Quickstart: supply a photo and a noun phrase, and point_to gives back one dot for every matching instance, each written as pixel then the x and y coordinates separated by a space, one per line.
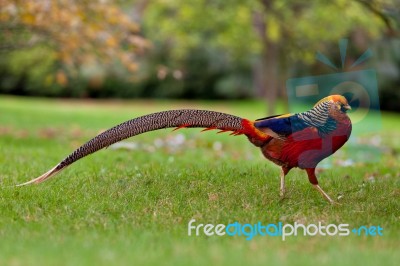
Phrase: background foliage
pixel 189 49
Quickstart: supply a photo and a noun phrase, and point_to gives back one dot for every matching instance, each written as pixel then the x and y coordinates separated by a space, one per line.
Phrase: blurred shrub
pixel 200 49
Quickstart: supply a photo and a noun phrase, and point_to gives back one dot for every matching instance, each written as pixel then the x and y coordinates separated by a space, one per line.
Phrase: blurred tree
pixel 279 33
pixel 201 48
pixel 73 37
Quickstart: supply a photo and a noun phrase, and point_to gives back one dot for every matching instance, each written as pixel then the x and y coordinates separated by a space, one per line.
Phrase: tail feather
pixel 167 119
pixel 41 178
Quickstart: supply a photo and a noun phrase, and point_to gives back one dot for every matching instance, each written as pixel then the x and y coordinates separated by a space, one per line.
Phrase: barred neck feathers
pixel 319 117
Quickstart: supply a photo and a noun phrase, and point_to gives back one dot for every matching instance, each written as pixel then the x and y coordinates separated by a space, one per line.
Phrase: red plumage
pixel 306 148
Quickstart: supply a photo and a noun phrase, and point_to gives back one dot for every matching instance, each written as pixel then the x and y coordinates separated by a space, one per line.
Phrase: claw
pixel 326 196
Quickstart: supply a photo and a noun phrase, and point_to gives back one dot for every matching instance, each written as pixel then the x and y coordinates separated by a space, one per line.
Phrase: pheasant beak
pixel 347 107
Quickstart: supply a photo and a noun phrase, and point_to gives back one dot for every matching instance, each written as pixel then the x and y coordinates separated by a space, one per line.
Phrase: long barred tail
pixel 167 119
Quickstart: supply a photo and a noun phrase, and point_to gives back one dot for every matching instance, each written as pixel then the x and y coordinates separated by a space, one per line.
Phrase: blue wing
pixel 280 126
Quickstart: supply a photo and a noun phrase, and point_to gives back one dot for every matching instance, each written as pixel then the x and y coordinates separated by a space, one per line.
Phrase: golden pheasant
pixel 291 140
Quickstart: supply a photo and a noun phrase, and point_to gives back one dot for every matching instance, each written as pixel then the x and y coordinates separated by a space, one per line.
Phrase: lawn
pixel 131 204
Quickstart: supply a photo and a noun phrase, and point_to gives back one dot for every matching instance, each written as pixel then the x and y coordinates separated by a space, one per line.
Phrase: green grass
pixel 122 207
